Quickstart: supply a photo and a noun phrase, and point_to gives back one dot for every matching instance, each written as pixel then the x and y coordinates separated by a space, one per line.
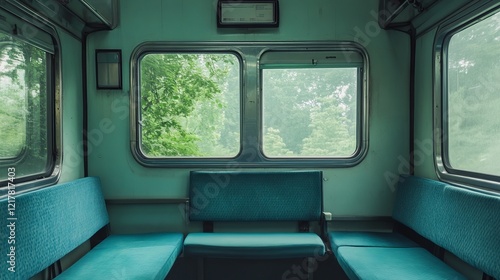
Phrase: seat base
pixel 254 245
pixel 370 263
pixel 135 256
pixel 369 239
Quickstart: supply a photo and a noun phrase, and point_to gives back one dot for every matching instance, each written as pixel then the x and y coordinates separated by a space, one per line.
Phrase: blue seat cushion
pixel 368 239
pixel 254 245
pixel 53 221
pixel 393 263
pixel 135 256
pixel 236 196
pixel 472 228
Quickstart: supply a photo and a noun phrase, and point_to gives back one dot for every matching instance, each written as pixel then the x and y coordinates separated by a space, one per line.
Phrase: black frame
pixel 275 23
pixel 119 84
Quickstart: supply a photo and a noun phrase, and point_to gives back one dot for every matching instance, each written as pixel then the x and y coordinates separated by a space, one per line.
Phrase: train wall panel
pixel 72 109
pixel 346 193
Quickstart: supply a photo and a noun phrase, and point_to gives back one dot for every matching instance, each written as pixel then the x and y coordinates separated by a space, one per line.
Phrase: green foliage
pixel 12 121
pixel 23 114
pixel 474 97
pixel 286 107
pixel 23 99
pixel 330 131
pixel 182 103
pixel 274 145
pixel 190 107
pixel 310 112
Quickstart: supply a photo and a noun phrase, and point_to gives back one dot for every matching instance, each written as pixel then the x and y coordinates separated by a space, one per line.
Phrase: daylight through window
pixel 25 114
pixel 473 97
pixel 190 105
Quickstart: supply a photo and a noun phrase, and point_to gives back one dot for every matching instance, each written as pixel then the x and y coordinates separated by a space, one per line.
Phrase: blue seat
pixel 462 221
pixel 135 256
pixel 369 239
pixel 254 245
pixel 231 196
pixel 53 221
pixel 371 263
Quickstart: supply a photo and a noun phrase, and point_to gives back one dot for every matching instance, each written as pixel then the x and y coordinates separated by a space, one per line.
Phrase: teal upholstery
pixel 137 256
pixel 232 196
pixel 420 205
pixel 254 245
pixel 255 196
pixel 473 228
pixel 463 222
pixel 368 239
pixel 53 221
pixel 384 263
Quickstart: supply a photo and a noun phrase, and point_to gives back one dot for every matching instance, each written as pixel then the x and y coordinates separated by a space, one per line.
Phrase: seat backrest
pixel 419 206
pixel 48 223
pixel 473 228
pixel 462 221
pixel 255 196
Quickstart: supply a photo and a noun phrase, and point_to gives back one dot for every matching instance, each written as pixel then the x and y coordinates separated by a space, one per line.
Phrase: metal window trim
pixel 451 26
pixel 52 171
pixel 357 64
pixel 250 154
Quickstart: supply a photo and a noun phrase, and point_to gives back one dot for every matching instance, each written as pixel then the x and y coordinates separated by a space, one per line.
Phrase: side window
pixel 189 105
pixel 311 104
pixel 471 98
pixel 252 105
pixel 27 113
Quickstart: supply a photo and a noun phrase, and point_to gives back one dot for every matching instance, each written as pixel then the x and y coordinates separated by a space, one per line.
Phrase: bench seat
pixel 461 221
pixel 369 239
pixel 254 196
pixel 134 256
pixel 385 263
pixel 254 245
pixel 53 221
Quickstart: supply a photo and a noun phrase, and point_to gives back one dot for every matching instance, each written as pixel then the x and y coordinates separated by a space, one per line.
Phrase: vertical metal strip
pixel 413 45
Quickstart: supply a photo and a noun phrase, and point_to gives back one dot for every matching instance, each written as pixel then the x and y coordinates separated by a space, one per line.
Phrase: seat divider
pixel 208 226
pixel 99 236
pixel 303 226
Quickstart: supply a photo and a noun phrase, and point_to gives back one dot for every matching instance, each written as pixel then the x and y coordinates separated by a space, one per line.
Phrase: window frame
pixel 47 40
pixel 251 154
pixel 321 62
pixel 453 25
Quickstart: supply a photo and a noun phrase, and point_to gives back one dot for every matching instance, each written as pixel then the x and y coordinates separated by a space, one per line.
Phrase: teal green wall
pixel 72 109
pixel 358 191
pixel 424 135
pixel 427 25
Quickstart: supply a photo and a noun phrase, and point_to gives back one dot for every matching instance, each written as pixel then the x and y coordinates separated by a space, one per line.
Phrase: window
pixel 27 113
pixel 190 105
pixel 471 98
pixel 249 104
pixel 310 110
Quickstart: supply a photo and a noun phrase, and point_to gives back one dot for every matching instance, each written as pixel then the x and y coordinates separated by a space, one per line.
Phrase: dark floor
pixel 320 268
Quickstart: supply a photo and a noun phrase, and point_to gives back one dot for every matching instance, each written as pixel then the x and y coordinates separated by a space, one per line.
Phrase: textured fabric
pixel 255 196
pixel 462 221
pixel 139 256
pixel 473 228
pixel 51 222
pixel 254 245
pixel 419 205
pixel 370 263
pixel 368 239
